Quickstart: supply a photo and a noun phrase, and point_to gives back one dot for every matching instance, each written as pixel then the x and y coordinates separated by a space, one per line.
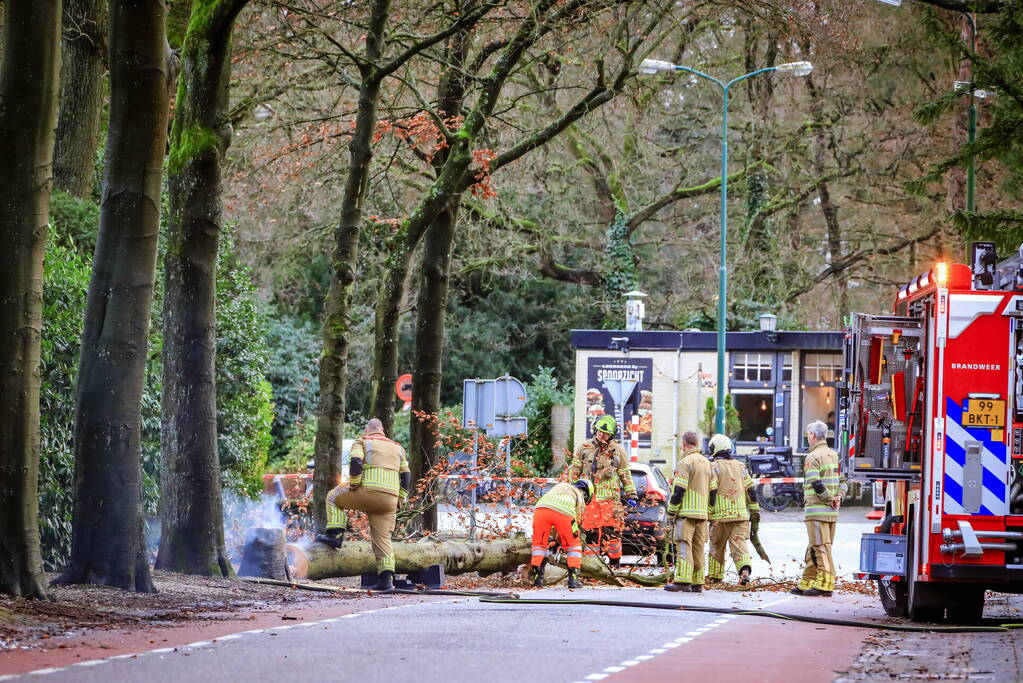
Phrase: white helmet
pixel 720 445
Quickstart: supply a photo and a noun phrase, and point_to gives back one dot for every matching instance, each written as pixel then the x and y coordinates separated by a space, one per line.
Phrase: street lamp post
pixel 651 66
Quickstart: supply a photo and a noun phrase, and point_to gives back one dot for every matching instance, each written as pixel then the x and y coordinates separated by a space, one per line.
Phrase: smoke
pixel 241 513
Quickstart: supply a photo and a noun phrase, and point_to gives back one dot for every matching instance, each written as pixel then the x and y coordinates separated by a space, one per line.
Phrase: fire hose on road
pixel 496 598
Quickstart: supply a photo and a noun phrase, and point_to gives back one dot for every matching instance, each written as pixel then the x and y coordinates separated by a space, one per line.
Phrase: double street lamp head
pixel 652 66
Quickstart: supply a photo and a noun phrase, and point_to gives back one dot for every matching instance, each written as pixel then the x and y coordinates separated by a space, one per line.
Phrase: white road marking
pixel 201 643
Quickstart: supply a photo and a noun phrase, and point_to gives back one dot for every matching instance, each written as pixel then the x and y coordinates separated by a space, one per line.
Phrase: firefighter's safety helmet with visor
pixel 606 424
pixel 586 486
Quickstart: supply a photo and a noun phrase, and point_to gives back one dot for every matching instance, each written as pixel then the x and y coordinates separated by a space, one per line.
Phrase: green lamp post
pixel 652 66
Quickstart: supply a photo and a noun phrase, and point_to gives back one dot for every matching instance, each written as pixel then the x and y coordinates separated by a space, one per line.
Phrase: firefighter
pixel 561 508
pixel 694 492
pixel 823 488
pixel 734 508
pixel 379 480
pixel 603 461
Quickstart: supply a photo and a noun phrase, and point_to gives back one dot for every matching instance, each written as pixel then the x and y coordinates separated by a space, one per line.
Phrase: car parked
pixel 646 524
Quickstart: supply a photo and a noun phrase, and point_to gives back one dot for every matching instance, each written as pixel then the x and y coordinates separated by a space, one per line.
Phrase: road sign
pixel 478 399
pixel 509 426
pixel 403 388
pixel 620 390
pixel 510 396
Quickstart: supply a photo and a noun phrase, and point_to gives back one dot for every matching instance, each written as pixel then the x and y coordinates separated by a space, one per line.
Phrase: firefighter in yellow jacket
pixel 378 480
pixel 823 488
pixel 602 460
pixel 734 507
pixel 694 491
pixel 561 508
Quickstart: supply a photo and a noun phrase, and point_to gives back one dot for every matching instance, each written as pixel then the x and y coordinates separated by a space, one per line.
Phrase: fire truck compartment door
pixel 965 308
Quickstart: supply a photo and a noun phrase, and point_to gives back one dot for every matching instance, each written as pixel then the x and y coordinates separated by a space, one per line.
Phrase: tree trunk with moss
pixel 191 509
pixel 28 93
pixel 108 544
pixel 83 62
pixel 330 412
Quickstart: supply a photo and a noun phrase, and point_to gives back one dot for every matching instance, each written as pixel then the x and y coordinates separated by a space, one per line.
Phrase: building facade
pixel 778 382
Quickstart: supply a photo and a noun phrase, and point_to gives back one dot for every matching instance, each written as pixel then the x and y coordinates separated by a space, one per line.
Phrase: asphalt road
pixel 460 640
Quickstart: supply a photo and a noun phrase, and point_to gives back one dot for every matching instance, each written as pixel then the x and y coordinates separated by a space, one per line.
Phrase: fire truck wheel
pixel 894 597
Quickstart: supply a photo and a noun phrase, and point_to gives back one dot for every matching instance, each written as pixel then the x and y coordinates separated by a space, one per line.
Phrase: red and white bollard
pixel 634 440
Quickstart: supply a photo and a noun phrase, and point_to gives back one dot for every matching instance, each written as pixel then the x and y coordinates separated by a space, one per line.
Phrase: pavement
pixel 463 639
pixel 442 638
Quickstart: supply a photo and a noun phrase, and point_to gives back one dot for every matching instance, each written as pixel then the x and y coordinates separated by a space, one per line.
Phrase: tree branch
pixel 851 260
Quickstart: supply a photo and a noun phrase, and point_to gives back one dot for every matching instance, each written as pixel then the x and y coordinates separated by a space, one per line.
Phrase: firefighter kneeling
pixel 731 513
pixel 560 508
pixel 379 479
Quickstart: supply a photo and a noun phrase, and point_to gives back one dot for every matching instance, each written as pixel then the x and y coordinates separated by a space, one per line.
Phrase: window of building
pixel 822 367
pixel 755 410
pixel 753 367
pixel 821 373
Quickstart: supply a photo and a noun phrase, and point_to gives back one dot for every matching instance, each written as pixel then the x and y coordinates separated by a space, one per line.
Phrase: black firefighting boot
pixel 677 587
pixel 696 588
pixel 573 579
pixel 332 537
pixel 536 574
pixel 744 576
pixel 385 581
pixel 615 562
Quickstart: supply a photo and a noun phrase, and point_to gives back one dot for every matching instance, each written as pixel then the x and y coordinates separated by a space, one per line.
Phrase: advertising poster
pixel 599 400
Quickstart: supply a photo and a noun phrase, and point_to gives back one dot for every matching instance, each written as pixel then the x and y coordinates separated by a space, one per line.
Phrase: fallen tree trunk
pixel 457 556
pixel 319 561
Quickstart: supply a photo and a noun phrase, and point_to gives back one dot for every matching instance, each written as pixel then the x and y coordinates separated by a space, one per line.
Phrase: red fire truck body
pixel 932 409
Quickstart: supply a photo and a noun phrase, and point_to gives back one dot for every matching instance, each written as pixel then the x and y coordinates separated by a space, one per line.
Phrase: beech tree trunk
pixel 108 545
pixel 28 110
pixel 191 509
pixel 457 556
pixel 81 95
pixel 319 561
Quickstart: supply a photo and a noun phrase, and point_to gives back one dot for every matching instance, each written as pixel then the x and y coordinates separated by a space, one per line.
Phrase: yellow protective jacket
pixel 733 482
pixel 696 476
pixel 821 464
pixel 377 463
pixel 566 498
pixel 606 465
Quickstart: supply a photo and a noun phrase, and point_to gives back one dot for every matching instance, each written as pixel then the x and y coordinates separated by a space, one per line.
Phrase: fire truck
pixel 931 411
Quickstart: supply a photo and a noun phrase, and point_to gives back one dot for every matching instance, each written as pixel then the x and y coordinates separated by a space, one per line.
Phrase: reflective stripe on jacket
pixel 564 498
pixel 606 466
pixel 382 461
pixel 733 479
pixel 821 464
pixel 696 476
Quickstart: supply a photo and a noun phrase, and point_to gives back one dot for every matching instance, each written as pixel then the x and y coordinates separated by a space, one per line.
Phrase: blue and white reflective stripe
pixel 993 461
pixel 539 551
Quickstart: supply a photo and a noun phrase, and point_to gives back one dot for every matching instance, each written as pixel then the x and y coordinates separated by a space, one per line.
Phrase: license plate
pixel 984 412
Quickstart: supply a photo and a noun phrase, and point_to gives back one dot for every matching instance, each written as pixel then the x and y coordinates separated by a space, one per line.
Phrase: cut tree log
pixel 458 556
pixel 319 561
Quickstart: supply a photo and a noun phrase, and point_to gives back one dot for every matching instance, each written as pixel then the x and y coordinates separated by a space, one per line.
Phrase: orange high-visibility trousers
pixel 543 520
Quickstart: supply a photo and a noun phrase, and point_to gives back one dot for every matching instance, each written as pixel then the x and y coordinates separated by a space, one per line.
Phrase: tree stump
pixel 264 554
